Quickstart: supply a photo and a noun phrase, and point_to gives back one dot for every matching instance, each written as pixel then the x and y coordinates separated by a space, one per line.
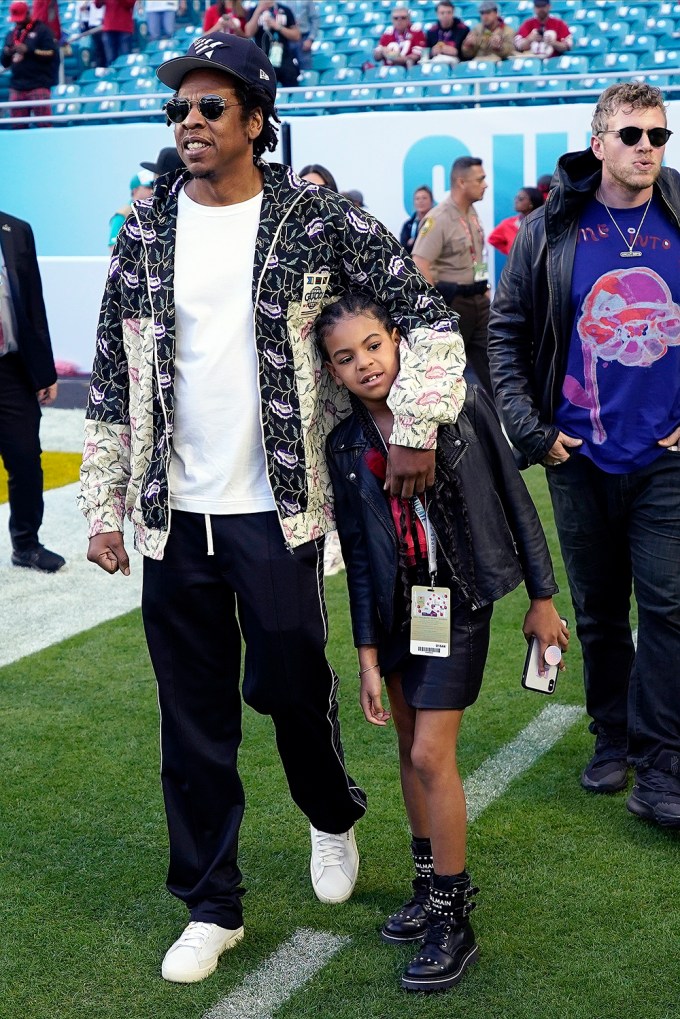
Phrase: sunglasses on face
pixel 210 107
pixel 658 136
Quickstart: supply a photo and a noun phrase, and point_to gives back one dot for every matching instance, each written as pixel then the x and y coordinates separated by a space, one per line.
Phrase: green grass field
pixel 577 916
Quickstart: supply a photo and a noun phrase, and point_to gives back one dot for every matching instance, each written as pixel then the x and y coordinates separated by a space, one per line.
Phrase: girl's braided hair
pixel 447 495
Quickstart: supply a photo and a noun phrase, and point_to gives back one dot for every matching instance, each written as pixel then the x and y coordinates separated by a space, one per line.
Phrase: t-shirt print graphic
pixel 628 316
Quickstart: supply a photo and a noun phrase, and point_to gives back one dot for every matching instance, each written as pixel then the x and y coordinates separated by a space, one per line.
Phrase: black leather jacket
pixel 507 539
pixel 531 319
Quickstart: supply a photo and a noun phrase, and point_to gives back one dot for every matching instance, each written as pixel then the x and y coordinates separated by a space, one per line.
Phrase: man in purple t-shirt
pixel 584 345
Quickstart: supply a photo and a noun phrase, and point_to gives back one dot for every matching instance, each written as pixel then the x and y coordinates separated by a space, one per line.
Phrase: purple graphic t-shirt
pixel 621 392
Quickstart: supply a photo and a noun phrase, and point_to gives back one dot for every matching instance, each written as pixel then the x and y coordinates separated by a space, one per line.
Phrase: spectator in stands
pixel 543 35
pixel 491 39
pixel 402 45
pixel 141 186
pixel 118 27
pixel 275 31
pixel 315 173
pixel 91 18
pixel 307 17
pixel 29 52
pixel 543 184
pixel 47 11
pixel 28 381
pixel 355 197
pixel 168 161
pixel 161 16
pixel 423 201
pixel 445 39
pixel 502 236
pixel 450 252
pixel 229 18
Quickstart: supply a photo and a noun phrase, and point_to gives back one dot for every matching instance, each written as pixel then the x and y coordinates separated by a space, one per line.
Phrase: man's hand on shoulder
pixel 108 551
pixel 409 471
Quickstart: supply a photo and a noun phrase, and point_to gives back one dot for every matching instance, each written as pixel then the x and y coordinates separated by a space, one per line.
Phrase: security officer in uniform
pixel 450 252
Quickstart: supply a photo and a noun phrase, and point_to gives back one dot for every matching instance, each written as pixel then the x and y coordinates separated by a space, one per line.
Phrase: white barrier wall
pixel 68 181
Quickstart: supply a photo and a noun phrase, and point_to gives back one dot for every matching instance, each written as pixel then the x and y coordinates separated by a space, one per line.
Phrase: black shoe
pixel 656 797
pixel 410 923
pixel 607 770
pixel 38 558
pixel 448 950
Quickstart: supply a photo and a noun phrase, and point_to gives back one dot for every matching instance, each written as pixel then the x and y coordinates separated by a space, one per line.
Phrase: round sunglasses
pixel 658 136
pixel 211 107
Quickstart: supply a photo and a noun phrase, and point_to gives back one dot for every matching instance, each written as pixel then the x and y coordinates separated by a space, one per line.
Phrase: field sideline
pixel 577 915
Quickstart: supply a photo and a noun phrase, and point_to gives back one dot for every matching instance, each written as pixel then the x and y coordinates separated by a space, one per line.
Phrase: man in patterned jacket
pixel 206 424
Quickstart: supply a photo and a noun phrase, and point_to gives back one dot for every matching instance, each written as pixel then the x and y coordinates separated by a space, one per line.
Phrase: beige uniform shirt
pixel 451 242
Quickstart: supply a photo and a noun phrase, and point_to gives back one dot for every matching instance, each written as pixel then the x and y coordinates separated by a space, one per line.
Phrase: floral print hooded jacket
pixel 312 246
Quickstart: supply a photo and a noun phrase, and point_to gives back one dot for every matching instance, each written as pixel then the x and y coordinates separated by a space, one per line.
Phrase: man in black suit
pixel 28 381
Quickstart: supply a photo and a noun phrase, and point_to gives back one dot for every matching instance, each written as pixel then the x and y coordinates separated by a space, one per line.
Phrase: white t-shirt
pixel 218 461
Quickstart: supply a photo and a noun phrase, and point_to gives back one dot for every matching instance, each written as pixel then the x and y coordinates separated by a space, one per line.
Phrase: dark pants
pixel 189 608
pixel 616 530
pixel 473 323
pixel 116 44
pixel 20 452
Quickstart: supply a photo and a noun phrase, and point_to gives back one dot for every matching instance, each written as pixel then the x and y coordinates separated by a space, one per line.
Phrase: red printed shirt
pixel 403 44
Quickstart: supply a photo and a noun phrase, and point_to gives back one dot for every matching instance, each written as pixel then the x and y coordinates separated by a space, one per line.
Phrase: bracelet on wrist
pixel 367 669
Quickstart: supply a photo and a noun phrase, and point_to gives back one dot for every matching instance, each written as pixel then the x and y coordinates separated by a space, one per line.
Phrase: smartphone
pixel 531 678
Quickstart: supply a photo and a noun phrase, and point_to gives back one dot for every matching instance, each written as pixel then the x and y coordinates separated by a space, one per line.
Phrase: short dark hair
pixel 251 98
pixel 534 195
pixel 424 187
pixel 462 165
pixel 444 3
pixel 326 175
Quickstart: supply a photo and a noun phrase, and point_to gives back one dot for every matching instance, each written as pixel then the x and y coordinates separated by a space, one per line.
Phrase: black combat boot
pixel 410 922
pixel 449 946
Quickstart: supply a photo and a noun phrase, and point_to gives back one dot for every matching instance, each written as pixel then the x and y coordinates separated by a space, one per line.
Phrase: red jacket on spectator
pixel 212 16
pixel 47 11
pixel 117 15
pixel 409 43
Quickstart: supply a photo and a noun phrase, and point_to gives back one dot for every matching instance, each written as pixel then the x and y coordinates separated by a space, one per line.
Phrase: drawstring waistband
pixel 209 535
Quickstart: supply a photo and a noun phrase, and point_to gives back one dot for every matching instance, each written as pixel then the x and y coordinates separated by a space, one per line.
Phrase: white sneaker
pixel 195 954
pixel 334 865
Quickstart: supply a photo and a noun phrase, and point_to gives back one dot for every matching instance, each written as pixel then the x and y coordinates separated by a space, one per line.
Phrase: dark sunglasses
pixel 658 136
pixel 210 107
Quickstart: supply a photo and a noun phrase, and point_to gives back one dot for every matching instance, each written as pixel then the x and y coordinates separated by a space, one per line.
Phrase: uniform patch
pixel 426 227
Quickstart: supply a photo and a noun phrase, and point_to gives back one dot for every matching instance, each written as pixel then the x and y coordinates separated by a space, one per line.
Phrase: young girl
pixel 479 531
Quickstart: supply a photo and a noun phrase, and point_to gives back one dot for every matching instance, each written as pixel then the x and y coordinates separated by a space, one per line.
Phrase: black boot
pixel 410 922
pixel 450 945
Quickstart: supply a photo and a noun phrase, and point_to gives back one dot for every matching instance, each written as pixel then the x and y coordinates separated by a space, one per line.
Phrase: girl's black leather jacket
pixel 531 315
pixel 507 539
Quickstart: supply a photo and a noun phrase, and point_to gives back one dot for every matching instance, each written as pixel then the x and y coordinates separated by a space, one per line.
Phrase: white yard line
pixel 61 430
pixel 493 777
pixel 279 976
pixel 306 952
pixel 39 609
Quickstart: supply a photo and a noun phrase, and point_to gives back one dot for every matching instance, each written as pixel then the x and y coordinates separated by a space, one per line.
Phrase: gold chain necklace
pixel 629 253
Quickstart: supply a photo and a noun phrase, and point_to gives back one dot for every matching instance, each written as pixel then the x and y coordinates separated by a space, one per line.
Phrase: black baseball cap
pixel 241 58
pixel 168 160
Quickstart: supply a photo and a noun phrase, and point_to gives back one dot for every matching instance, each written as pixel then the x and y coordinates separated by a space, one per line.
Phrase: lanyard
pixel 466 228
pixel 430 537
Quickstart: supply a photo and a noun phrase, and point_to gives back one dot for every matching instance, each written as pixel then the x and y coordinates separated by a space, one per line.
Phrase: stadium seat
pixel 520 65
pixel 309 78
pixel 447 90
pixel 614 31
pixel 591 46
pixel 128 59
pixel 429 72
pixel 475 69
pixel 396 93
pixel 659 59
pixel 543 85
pixel 142 103
pixel 165 55
pixel 65 102
pixel 359 58
pixel 640 44
pixel 570 65
pixel 334 20
pixel 96 74
pixel 501 87
pixel 614 62
pixel 340 76
pixel 384 73
pixel 103 87
pixel 359 94
pixel 590 83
